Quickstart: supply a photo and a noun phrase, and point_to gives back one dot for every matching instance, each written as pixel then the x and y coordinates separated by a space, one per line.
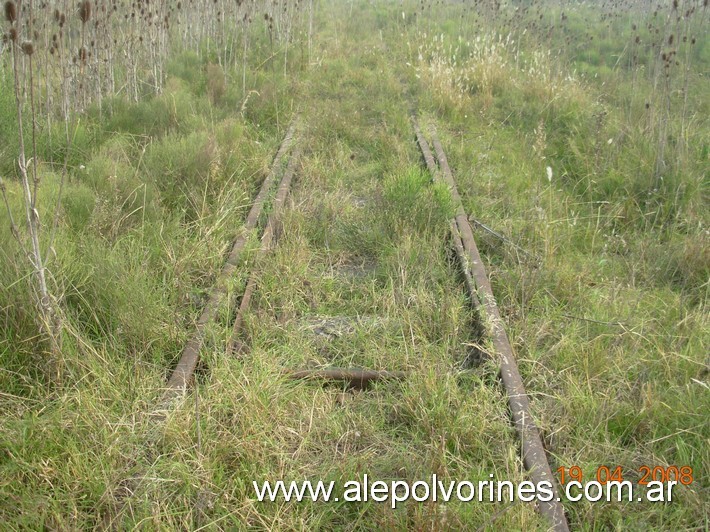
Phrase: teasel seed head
pixel 85 11
pixel 28 48
pixel 10 11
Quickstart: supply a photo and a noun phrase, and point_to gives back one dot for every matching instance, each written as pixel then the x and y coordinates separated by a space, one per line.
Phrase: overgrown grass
pixel 611 326
pixel 156 193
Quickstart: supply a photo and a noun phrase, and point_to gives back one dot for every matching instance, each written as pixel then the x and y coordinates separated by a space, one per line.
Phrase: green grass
pixel 610 325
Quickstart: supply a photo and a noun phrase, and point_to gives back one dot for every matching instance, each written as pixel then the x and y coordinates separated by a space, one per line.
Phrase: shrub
pixel 180 167
pixel 216 84
pixel 79 202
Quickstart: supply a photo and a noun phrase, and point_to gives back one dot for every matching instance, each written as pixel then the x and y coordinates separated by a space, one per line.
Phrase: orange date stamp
pixel 604 474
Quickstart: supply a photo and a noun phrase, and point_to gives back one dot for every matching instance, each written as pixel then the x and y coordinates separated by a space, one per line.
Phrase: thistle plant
pixel 20 32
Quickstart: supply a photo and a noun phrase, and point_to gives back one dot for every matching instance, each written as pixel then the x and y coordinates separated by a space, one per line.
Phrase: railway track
pixel 483 300
pixel 479 290
pixel 183 374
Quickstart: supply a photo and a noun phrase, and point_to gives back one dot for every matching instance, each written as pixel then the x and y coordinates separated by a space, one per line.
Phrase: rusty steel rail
pixel 183 372
pixel 235 345
pixel 534 457
pixel 455 235
pixel 356 378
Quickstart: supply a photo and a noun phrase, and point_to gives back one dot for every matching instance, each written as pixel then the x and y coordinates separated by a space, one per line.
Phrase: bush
pixel 216 84
pixel 79 202
pixel 172 111
pixel 188 67
pixel 181 167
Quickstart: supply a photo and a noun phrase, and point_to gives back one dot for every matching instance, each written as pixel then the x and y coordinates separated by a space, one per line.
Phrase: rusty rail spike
pixel 182 374
pixel 236 346
pixel 357 378
pixel 534 457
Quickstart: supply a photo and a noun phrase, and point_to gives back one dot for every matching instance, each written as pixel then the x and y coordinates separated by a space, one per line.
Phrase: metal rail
pixel 236 346
pixel 458 243
pixel 179 380
pixel 481 293
pixel 182 374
